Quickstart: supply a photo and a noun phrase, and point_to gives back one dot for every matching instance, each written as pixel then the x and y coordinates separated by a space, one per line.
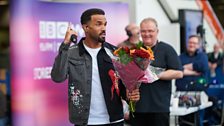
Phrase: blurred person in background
pixel 4 54
pixel 195 69
pixel 3 108
pixel 195 65
pixel 132 31
pixel 215 59
pixel 153 108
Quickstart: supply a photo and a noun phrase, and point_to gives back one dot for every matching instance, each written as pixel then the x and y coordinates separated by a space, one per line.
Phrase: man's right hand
pixel 69 32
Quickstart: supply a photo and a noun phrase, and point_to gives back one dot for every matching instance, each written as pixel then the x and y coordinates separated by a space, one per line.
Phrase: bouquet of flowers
pixel 133 67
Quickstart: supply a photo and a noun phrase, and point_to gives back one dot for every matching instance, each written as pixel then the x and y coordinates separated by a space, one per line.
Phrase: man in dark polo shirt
pixel 153 107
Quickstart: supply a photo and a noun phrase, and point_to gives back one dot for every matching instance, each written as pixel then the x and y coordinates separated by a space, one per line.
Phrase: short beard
pixel 101 40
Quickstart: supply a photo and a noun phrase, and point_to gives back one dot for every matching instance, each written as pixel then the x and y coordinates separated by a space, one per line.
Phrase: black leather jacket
pixel 75 63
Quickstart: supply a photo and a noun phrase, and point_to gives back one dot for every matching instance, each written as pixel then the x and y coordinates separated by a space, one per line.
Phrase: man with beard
pixel 95 92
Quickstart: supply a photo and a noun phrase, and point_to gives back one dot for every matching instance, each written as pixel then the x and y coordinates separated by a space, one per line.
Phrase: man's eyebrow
pixel 100 21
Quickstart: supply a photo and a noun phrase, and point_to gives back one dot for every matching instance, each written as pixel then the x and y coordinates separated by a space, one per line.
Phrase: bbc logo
pixel 52 29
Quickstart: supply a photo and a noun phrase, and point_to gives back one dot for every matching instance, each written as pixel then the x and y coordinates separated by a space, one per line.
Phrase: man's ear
pixel 85 27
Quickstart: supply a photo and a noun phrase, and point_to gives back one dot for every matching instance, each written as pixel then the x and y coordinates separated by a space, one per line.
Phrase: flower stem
pixel 132 107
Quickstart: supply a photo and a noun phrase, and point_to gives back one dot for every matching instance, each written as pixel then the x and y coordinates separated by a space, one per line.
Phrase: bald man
pixel 132 31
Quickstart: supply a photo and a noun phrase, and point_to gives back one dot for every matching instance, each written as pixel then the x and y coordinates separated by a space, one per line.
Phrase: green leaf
pixel 139 44
pixel 125 59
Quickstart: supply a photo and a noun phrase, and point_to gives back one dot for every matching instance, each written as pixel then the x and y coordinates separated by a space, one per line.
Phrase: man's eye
pixel 98 23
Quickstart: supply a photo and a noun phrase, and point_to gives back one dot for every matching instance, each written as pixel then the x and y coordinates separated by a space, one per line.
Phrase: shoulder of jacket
pixel 75 46
pixel 110 46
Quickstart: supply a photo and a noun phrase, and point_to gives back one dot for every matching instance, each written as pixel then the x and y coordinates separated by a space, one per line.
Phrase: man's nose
pixel 104 28
pixel 147 34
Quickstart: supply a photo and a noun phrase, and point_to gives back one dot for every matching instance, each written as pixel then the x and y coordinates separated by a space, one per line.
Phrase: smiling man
pixel 153 107
pixel 195 69
pixel 195 66
pixel 88 67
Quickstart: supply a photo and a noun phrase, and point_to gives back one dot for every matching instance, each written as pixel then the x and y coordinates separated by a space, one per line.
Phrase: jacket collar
pixel 82 49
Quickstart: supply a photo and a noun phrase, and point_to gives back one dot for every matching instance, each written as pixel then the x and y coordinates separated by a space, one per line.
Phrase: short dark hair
pixel 86 15
pixel 196 36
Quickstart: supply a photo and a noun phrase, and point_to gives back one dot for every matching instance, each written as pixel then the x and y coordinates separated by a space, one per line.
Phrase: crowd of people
pixel 86 65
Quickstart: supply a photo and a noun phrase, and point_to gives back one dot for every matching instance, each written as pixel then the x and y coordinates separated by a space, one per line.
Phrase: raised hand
pixel 69 32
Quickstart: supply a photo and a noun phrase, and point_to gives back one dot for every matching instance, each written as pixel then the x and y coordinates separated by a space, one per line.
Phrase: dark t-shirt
pixel 155 97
